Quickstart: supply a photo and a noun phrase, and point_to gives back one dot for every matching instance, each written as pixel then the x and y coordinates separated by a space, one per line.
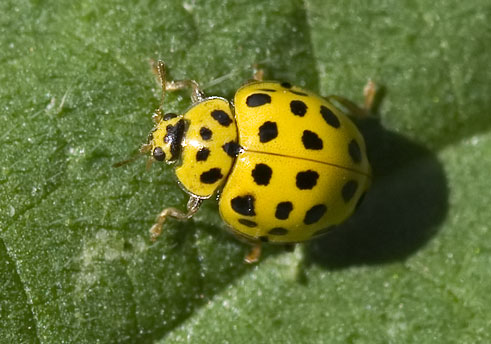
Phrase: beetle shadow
pixel 401 212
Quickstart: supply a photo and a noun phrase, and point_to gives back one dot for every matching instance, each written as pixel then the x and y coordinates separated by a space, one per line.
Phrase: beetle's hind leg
pixel 192 207
pixel 254 254
pixel 369 92
pixel 369 104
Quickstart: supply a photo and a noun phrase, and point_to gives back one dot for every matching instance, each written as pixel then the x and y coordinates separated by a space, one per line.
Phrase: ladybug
pixel 287 165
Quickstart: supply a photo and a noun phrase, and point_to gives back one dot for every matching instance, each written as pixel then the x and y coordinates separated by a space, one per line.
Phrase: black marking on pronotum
pixel 243 205
pixel 211 176
pixel 232 149
pixel 221 117
pixel 202 154
pixel 205 133
pixel 169 115
pixel 286 85
pixel 258 99
pixel 268 131
pixel 173 137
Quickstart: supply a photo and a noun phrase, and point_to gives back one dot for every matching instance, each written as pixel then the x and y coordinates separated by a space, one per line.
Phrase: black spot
pixel 268 131
pixel 278 231
pixel 360 200
pixel 158 154
pixel 267 90
pixel 173 137
pixel 258 99
pixel 211 176
pixel 168 128
pixel 243 205
pixel 169 115
pixel 349 190
pixel 283 210
pixel 314 214
pixel 264 238
pixel 330 117
pixel 262 174
pixel 202 154
pixel 286 85
pixel 298 108
pixel 298 93
pixel 354 151
pixel 205 133
pixel 221 117
pixel 306 180
pixel 248 223
pixel 311 140
pixel 232 149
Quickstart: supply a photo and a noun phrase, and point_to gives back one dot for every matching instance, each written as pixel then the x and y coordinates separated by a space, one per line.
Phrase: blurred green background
pixel 77 94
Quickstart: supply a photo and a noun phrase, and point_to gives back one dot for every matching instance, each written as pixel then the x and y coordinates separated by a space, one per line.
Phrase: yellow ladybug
pixel 287 163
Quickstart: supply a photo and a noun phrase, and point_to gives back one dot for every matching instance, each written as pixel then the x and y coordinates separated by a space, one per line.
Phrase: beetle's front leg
pixel 159 69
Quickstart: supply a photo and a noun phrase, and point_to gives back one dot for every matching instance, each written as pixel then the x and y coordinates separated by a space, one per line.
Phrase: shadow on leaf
pixel 402 211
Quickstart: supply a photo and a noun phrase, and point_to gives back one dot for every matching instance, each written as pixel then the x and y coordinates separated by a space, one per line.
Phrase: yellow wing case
pixel 281 119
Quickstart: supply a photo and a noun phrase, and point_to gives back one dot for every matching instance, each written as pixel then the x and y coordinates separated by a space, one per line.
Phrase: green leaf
pixel 77 94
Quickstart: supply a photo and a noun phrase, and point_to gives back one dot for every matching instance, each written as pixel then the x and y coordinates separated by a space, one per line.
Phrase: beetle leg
pixel 369 106
pixel 254 254
pixel 197 94
pixel 192 207
pixel 158 68
pixel 369 93
pixel 157 116
pixel 257 73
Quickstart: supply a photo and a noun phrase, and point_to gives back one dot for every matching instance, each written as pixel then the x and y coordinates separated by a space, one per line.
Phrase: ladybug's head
pixel 166 139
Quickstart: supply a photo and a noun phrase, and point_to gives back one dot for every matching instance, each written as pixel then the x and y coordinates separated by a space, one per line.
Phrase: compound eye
pixel 158 154
pixel 168 116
